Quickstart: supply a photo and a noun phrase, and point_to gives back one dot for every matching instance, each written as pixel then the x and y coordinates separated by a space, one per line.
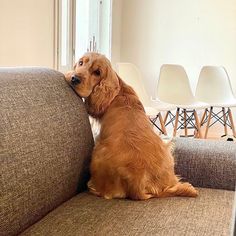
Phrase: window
pixel 65 45
pixel 83 25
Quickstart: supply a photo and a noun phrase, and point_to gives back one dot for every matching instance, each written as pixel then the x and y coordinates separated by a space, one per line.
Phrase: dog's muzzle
pixel 75 80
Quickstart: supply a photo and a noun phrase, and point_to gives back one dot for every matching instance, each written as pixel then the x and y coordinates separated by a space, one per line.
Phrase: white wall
pixel 116 31
pixel 27 33
pixel 191 33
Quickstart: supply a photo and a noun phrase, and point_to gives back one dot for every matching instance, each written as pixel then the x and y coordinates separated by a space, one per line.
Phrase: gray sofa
pixel 45 150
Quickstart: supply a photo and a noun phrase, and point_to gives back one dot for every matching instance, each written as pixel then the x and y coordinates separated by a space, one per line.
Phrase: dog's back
pixel 129 159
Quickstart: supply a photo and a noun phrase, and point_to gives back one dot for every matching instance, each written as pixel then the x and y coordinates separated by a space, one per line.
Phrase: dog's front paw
pixel 92 188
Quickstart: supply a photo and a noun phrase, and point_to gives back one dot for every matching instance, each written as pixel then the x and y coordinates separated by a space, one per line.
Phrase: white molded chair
pixel 132 76
pixel 214 87
pixel 174 87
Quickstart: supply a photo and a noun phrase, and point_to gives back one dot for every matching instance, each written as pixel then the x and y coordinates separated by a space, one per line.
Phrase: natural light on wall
pixel 83 26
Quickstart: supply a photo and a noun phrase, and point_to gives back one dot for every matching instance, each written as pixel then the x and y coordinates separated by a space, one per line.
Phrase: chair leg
pixel 185 124
pixel 163 128
pixel 225 120
pixel 203 117
pixel 176 122
pixel 199 132
pixel 208 122
pixel 166 116
pixel 232 122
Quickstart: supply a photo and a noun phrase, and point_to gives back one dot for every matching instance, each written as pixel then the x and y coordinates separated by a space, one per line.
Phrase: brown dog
pixel 129 160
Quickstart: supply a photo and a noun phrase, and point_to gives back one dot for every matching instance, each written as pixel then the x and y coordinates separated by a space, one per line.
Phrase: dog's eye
pixel 97 72
pixel 80 63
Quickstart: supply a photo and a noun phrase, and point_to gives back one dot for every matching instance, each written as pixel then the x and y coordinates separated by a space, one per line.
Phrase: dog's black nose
pixel 75 80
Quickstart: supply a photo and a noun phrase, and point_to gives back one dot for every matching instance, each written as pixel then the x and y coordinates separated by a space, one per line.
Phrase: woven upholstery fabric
pixel 45 145
pixel 206 163
pixel 207 215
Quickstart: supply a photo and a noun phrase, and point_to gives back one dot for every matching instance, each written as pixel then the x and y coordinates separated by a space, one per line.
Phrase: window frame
pixel 72 33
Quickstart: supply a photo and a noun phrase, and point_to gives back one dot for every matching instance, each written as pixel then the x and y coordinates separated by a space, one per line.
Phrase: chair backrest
pixel 214 85
pixel 132 76
pixel 173 85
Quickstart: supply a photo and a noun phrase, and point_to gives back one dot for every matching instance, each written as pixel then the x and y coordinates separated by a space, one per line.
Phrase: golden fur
pixel 129 160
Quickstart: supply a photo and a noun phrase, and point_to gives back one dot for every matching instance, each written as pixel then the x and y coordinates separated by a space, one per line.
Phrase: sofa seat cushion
pixel 85 214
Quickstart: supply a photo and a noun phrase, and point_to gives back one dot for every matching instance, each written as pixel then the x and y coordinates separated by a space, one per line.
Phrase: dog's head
pixel 94 79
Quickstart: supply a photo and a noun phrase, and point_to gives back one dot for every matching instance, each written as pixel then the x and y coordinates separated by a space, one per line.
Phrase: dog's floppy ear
pixel 103 94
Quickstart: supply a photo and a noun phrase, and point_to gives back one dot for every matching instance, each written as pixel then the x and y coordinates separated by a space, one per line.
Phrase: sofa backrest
pixel 206 163
pixel 45 145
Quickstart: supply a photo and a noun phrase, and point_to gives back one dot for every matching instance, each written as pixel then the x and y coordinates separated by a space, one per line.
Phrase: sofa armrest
pixel 45 145
pixel 206 163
